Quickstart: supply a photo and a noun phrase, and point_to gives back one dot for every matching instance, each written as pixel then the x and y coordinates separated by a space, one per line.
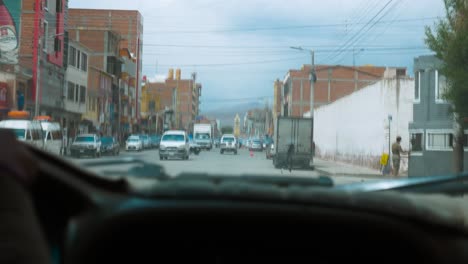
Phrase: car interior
pixel 247 219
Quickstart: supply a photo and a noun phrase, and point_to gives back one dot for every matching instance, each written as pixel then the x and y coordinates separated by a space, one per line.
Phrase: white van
pixel 26 131
pixel 53 138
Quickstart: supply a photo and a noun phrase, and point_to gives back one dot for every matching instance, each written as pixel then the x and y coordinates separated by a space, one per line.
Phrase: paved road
pixel 212 162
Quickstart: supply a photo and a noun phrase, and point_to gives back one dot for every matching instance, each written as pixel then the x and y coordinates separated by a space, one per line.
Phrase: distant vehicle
pixel 174 144
pixel 217 142
pixel 294 142
pixel 256 145
pixel 86 145
pixel 155 140
pixel 146 141
pixel 202 135
pixel 27 131
pixel 134 142
pixel 194 147
pixel 109 145
pixel 228 144
pixel 53 138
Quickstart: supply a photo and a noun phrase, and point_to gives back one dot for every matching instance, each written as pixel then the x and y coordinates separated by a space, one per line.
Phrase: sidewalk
pixel 335 168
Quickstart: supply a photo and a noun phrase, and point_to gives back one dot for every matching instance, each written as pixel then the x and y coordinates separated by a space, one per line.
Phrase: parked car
pixel 109 145
pixel 228 144
pixel 86 145
pixel 256 145
pixel 155 140
pixel 146 141
pixel 174 144
pixel 134 142
pixel 26 131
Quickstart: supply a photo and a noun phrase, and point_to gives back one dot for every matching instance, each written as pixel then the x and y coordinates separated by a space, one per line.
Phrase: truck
pixel 294 144
pixel 202 135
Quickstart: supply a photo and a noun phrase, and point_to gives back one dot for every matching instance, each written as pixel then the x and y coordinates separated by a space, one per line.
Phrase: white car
pixel 134 143
pixel 174 144
pixel 86 145
pixel 228 144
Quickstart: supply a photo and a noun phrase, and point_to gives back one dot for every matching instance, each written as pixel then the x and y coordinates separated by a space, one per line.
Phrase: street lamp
pixel 312 78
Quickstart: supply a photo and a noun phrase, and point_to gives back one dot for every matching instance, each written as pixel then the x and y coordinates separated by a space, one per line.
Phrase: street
pixel 210 162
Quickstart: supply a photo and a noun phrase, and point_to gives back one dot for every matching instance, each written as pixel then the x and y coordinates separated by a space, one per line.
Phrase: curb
pixel 372 176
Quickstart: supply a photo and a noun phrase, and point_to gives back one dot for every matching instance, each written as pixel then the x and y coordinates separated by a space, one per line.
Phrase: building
pixel 237 125
pixel 432 128
pixel 115 36
pixel 39 64
pixel 277 88
pixel 356 128
pixel 180 95
pixel 75 91
pixel 333 82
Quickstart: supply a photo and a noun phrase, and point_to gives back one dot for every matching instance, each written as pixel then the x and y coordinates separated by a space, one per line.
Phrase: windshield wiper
pixel 449 184
pixel 142 169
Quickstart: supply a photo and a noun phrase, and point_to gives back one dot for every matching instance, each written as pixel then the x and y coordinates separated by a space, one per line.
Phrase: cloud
pixel 231 25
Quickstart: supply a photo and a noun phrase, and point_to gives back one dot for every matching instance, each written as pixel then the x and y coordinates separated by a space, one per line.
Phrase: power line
pixel 340 50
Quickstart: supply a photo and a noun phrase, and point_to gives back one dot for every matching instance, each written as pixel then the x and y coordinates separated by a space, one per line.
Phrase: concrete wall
pixel 355 128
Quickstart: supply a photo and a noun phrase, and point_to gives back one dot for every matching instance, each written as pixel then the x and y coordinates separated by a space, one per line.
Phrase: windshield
pixel 353 90
pixel 20 133
pixel 107 140
pixel 202 136
pixel 167 138
pixel 84 139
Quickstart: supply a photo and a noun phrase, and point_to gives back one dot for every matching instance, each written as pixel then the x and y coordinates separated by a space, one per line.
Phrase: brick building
pixel 333 82
pixel 116 37
pixel 180 95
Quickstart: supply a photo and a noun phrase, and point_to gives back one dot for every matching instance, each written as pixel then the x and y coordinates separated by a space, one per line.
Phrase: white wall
pixel 355 128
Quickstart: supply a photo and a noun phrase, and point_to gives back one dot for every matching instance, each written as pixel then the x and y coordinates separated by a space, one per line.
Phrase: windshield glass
pixel 202 136
pixel 166 138
pixel 84 139
pixel 107 140
pixel 20 133
pixel 353 90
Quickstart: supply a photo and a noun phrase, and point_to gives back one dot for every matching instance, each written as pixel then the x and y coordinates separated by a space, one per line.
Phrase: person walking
pixel 396 158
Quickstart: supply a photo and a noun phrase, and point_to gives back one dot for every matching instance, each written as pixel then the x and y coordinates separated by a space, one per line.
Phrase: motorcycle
pixel 194 148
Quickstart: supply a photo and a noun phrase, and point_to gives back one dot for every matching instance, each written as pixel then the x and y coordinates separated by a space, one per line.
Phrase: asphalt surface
pixel 210 162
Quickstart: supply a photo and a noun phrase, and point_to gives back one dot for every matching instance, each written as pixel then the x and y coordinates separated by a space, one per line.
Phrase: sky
pixel 239 47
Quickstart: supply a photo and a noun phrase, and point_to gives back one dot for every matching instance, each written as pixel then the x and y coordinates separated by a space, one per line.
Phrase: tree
pixel 227 130
pixel 449 41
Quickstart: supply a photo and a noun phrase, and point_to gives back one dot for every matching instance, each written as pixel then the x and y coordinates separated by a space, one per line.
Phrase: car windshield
pixel 172 137
pixel 84 139
pixel 358 91
pixel 107 140
pixel 202 136
pixel 20 133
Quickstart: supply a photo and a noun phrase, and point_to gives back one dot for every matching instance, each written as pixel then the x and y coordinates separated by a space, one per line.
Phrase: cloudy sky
pixel 239 47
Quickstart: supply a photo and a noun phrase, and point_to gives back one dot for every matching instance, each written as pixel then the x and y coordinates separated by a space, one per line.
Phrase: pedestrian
pixel 396 158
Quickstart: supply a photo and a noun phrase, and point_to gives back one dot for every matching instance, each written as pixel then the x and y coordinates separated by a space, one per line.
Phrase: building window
pixel 77 92
pixel 71 91
pixel 440 87
pixel 417 141
pixel 439 140
pixel 417 88
pixel 59 6
pixel 45 26
pixel 78 59
pixel 72 56
pixel 82 94
pixel 84 62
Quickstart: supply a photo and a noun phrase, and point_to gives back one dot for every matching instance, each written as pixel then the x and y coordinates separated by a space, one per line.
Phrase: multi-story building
pixel 432 128
pixel 180 95
pixel 41 66
pixel 75 91
pixel 277 88
pixel 333 82
pixel 125 31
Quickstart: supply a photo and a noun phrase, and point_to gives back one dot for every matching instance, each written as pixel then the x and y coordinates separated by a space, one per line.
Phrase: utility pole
pixel 312 78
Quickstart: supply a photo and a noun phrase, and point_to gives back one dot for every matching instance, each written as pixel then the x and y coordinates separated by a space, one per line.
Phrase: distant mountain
pixel 227 114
